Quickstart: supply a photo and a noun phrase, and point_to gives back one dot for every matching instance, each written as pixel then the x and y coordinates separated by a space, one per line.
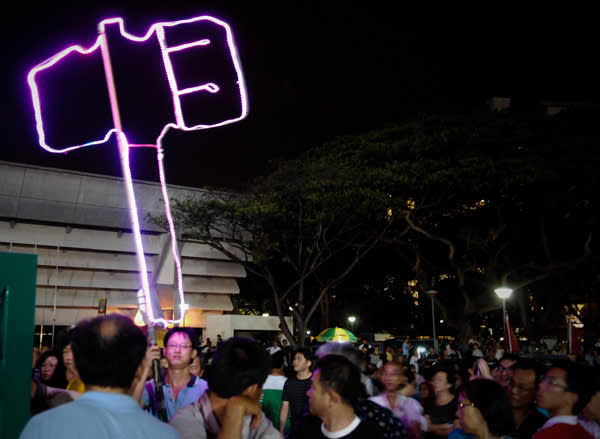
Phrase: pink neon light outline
pixel 123 143
pixel 158 29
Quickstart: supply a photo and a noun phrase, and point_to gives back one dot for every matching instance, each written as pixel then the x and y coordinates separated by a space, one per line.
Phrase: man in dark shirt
pixel 521 392
pixel 367 410
pixel 336 387
pixel 294 396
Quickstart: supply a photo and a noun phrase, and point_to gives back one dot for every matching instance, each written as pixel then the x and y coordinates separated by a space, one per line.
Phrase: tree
pixel 490 198
pixel 467 201
pixel 303 228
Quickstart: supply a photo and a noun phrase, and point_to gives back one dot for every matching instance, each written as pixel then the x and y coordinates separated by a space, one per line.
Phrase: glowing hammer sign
pixel 200 86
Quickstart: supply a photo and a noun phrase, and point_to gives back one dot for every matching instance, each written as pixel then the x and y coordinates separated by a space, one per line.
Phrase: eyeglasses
pixel 180 346
pixel 520 388
pixel 554 383
pixel 465 404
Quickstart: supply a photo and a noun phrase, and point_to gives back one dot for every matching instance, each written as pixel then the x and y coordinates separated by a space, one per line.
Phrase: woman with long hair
pixel 52 371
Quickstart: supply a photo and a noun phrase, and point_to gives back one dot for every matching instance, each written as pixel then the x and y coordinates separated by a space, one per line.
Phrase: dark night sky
pixel 315 70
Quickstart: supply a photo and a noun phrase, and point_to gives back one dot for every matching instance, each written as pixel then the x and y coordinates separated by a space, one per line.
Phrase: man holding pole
pixel 179 386
pixel 105 409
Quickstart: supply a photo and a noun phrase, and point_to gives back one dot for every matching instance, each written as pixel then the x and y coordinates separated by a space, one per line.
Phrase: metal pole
pixel 435 340
pixel 504 321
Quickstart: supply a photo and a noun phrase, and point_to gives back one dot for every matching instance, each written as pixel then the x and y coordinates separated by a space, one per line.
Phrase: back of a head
pixel 491 400
pixel 510 356
pixel 277 360
pixel 344 349
pixel 108 350
pixel 338 373
pixel 236 364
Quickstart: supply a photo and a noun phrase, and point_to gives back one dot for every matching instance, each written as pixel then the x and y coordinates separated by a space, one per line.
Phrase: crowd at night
pixel 406 171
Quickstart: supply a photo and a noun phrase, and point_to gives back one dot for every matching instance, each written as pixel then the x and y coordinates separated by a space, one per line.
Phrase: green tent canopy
pixel 337 334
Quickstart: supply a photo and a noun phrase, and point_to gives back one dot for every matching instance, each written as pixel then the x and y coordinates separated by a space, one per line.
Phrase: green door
pixel 17 311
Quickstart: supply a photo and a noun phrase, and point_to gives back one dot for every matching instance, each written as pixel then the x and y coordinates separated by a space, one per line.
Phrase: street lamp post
pixel 432 293
pixel 503 293
pixel 351 320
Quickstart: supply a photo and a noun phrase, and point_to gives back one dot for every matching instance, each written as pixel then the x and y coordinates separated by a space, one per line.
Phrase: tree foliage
pixel 491 199
pixel 302 229
pixel 467 202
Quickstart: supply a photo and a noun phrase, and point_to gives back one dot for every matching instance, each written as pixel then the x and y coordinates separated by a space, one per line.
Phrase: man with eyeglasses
pixel 180 387
pixel 521 393
pixel 564 391
pixel 505 371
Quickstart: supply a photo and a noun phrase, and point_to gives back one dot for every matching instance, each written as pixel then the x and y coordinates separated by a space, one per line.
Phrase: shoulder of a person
pixel 200 382
pixel 370 430
pixel 264 431
pixel 191 411
pixel 166 431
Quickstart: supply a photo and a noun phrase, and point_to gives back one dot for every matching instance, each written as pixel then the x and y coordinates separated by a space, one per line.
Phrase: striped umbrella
pixel 337 334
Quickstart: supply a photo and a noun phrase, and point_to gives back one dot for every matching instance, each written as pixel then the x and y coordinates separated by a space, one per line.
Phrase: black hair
pixel 58 378
pixel 492 401
pixel 183 330
pixel 44 356
pixel 509 356
pixel 579 381
pixel 346 349
pixel 277 360
pixel 236 364
pixel 448 368
pixel 108 350
pixel 341 375
pixel 66 340
pixel 307 353
pixel 408 374
pixel 530 364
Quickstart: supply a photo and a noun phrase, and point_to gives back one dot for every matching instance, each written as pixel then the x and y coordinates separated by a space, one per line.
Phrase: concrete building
pixel 78 225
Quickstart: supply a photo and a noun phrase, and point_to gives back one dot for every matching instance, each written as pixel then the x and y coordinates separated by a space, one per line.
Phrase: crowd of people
pixel 106 382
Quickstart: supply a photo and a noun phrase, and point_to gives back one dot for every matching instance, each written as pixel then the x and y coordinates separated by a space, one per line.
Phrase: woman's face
pixel 439 381
pixel 48 367
pixel 68 357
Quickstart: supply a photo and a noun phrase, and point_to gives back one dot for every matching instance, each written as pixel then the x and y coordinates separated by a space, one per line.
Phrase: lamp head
pixel 503 292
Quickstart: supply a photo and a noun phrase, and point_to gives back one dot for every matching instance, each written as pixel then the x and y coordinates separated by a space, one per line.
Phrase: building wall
pixel 78 225
pixel 226 325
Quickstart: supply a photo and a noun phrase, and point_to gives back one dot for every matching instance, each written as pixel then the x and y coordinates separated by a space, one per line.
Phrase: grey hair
pixel 345 349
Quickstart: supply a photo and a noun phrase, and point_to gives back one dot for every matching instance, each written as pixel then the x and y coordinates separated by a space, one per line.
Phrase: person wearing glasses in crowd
pixel 180 386
pixel 107 350
pixel 484 409
pixel 522 388
pixel 564 391
pixel 504 372
pixel 230 408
